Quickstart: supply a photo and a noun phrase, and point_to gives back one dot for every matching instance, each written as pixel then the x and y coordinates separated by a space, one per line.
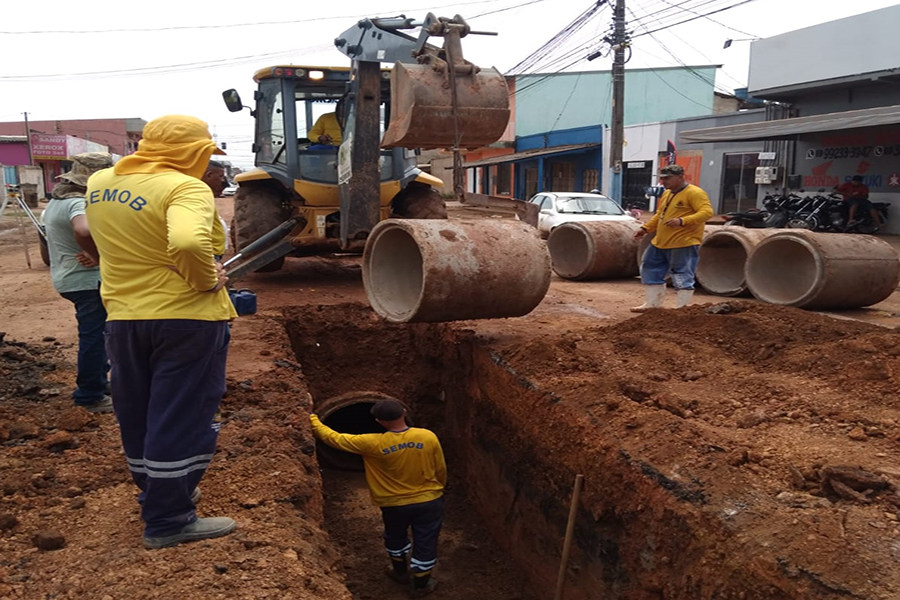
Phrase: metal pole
pixel 28 137
pixel 567 543
pixel 618 108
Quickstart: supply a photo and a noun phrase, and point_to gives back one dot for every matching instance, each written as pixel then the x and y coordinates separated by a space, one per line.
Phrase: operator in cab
pixel 326 131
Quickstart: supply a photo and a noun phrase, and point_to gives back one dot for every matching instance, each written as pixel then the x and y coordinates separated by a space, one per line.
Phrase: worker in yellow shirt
pixel 168 314
pixel 326 130
pixel 681 216
pixel 406 474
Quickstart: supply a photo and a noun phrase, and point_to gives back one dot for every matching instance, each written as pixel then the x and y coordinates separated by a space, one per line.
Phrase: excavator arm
pixel 438 100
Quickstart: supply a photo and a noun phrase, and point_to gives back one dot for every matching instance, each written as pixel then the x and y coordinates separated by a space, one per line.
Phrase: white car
pixel 557 208
pixel 229 191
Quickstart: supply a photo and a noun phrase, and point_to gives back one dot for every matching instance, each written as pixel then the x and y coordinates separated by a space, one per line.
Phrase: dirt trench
pixel 691 470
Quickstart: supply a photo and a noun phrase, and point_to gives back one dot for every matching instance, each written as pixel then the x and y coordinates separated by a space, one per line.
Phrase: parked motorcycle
pixel 775 213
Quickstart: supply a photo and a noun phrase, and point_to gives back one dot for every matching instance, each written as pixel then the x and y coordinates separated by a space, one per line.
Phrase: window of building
pixel 591 180
pixel 738 182
pixel 563 177
pixel 504 180
pixel 531 182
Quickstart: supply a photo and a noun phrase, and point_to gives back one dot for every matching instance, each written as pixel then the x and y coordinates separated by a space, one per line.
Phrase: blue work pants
pixel 678 263
pixel 91 381
pixel 425 520
pixel 168 378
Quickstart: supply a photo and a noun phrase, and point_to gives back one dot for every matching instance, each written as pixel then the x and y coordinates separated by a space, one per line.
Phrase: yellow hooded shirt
pixel 153 221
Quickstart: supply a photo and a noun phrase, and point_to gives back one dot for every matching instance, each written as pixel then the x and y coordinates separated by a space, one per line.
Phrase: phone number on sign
pixel 853 152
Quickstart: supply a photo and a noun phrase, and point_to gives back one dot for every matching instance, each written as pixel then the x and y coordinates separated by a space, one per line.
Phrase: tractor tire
pixel 419 201
pixel 257 211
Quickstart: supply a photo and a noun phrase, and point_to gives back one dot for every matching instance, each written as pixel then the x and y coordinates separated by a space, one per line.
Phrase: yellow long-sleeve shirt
pixel 154 232
pixel 691 204
pixel 402 467
pixel 326 124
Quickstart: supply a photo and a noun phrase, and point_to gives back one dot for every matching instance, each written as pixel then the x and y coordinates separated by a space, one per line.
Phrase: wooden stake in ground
pixel 567 543
pixel 21 221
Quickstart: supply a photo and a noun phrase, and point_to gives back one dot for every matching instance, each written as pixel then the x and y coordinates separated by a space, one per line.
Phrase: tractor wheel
pixel 257 211
pixel 419 201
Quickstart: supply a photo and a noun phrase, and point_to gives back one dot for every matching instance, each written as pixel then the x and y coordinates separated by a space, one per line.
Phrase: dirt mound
pixel 782 424
pixel 69 520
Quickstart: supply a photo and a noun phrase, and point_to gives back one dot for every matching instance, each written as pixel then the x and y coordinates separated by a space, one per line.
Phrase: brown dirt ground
pixel 765 402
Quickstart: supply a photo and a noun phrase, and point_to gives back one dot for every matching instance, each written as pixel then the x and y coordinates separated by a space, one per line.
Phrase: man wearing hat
pixel 681 214
pixel 406 474
pixel 71 251
pixel 167 332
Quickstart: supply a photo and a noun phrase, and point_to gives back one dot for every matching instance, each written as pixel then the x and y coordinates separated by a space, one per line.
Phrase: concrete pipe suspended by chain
pixel 822 270
pixel 723 257
pixel 594 250
pixel 348 413
pixel 436 270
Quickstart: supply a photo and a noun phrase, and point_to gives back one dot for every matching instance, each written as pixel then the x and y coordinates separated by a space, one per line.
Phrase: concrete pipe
pixel 723 256
pixel 822 270
pixel 437 270
pixel 348 413
pixel 594 249
pixel 644 242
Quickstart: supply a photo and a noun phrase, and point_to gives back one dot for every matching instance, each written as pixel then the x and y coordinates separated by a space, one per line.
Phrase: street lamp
pixel 730 41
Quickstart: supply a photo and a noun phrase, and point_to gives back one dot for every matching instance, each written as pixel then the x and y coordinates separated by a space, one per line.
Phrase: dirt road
pixel 718 450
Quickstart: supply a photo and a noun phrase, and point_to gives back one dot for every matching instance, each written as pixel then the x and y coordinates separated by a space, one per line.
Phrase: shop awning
pixel 786 129
pixel 528 154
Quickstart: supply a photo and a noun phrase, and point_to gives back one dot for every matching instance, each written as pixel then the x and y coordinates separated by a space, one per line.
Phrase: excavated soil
pixel 731 450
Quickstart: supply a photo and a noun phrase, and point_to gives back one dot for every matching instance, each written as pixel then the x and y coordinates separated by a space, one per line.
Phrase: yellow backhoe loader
pixel 305 197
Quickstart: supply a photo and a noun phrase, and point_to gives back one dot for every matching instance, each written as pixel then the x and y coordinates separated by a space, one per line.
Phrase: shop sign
pixel 48 146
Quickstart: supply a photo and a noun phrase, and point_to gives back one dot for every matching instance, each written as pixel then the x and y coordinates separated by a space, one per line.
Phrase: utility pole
pixel 28 137
pixel 617 133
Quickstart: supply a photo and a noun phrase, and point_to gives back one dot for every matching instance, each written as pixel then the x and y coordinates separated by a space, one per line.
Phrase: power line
pixel 694 18
pixel 557 40
pixel 165 69
pixel 232 25
pixel 702 78
pixel 717 22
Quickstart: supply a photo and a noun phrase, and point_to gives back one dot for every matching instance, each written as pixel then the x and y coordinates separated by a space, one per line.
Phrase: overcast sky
pixel 117 59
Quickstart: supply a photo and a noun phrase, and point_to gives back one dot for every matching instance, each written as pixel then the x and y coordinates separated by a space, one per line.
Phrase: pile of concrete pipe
pixel 795 267
pixel 791 267
pixel 434 270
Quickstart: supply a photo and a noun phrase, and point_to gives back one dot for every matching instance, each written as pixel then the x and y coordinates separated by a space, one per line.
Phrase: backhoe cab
pixel 307 198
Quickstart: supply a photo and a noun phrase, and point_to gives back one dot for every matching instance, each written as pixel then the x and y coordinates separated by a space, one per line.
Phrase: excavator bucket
pixel 422 108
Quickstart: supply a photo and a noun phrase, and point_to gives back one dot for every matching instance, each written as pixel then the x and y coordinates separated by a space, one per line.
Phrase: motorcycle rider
pixel 856 195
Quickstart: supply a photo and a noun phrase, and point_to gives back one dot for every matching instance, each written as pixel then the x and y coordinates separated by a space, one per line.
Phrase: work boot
pixel 422 586
pixel 201 529
pixel 396 575
pixel 683 298
pixel 654 294
pixel 104 405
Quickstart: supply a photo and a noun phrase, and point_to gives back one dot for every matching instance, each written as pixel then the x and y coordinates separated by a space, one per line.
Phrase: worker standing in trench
pixel 680 218
pixel 406 474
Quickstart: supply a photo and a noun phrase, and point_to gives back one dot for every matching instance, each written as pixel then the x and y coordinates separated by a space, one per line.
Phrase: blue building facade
pixel 561 122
